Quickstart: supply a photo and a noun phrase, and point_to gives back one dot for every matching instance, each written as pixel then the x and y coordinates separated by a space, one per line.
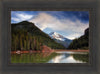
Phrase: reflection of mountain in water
pixel 50 58
pixel 66 58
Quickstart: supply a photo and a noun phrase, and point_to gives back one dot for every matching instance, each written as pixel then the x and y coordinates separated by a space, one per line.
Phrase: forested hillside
pixel 26 36
pixel 81 42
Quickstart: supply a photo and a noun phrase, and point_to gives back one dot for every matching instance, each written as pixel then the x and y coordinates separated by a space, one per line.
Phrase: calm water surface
pixel 58 57
pixel 70 57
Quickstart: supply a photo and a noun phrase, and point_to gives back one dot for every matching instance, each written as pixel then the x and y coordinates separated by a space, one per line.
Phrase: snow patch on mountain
pixel 60 39
pixel 57 36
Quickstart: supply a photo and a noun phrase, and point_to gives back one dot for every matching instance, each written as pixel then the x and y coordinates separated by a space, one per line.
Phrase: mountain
pixel 60 39
pixel 81 42
pixel 27 36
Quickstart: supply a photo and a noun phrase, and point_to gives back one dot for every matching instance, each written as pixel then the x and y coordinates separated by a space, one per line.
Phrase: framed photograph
pixel 49 37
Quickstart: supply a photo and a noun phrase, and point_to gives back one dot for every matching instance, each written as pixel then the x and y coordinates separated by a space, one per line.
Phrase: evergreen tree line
pixel 23 40
pixel 81 42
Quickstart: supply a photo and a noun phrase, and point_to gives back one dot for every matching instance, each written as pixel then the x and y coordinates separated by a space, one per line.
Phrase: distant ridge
pixel 60 39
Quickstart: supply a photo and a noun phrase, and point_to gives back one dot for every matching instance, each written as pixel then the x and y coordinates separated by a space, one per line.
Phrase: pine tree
pixel 21 43
pixel 25 45
pixel 27 42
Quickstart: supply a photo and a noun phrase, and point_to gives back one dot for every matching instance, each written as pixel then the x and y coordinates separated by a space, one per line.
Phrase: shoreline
pixel 73 50
pixel 13 52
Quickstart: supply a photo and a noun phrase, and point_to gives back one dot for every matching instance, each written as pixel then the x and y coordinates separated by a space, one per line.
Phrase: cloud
pixel 74 28
pixel 73 36
pixel 18 17
pixel 15 19
pixel 70 24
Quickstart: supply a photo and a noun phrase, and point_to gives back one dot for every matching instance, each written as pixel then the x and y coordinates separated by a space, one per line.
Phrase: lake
pixel 55 57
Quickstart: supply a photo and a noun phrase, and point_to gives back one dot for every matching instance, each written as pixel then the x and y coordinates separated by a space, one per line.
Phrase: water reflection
pixel 70 58
pixel 32 58
pixel 81 57
pixel 58 57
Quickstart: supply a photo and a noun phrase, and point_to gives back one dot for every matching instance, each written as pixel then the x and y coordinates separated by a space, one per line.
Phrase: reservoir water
pixel 70 57
pixel 58 57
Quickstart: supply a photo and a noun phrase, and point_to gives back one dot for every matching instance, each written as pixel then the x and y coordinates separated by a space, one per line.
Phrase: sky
pixel 70 24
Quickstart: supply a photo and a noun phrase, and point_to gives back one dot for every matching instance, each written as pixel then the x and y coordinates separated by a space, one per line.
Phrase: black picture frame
pixel 6 6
